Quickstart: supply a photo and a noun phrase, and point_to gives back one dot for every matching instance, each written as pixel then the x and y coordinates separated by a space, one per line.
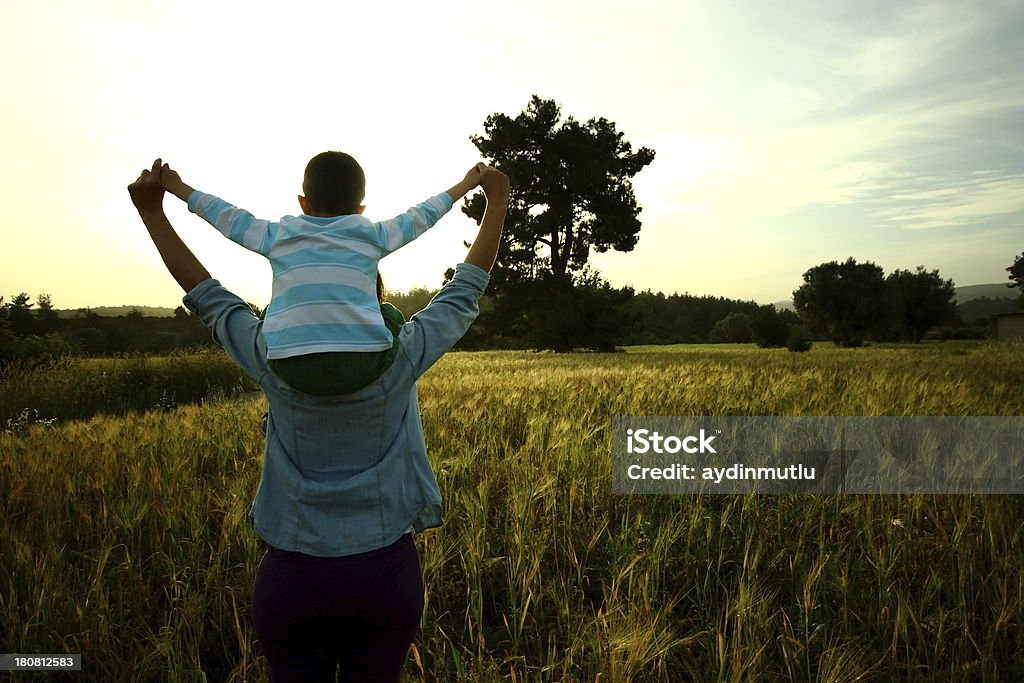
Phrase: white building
pixel 1010 326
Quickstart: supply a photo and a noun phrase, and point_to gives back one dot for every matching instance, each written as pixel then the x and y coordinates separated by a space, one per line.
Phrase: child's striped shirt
pixel 324 295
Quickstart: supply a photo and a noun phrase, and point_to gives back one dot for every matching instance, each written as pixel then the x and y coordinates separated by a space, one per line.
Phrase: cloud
pixel 895 117
pixel 958 200
pixel 764 171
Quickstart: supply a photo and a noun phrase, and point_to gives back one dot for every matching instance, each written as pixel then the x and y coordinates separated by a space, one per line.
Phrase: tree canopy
pixel 849 302
pixel 842 300
pixel 571 189
pixel 919 301
pixel 571 194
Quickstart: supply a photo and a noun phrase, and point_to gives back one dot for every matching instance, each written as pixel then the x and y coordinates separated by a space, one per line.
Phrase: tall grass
pixel 83 387
pixel 126 540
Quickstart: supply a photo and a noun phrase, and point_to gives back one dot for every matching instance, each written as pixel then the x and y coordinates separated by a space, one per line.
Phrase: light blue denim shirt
pixel 344 474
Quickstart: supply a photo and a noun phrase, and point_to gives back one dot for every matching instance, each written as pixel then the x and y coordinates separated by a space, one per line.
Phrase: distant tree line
pixel 850 303
pixel 32 331
pixel 847 303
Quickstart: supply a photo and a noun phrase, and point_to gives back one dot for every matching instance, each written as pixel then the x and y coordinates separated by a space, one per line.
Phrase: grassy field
pixel 123 536
pixel 84 387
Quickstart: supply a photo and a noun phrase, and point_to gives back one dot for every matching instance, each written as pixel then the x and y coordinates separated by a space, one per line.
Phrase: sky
pixel 787 134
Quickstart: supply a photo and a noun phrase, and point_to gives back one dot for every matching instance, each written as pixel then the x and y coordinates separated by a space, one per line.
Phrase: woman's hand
pixel 473 175
pixel 146 192
pixel 147 195
pixel 494 183
pixel 484 250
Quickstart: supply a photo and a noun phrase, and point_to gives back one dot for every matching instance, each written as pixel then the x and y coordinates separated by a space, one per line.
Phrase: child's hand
pixel 146 192
pixel 472 179
pixel 169 178
pixel 493 182
pixel 172 182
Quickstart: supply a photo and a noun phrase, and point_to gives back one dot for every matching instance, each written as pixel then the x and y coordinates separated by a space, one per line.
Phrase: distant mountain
pixel 961 295
pixel 786 305
pixel 989 291
pixel 117 311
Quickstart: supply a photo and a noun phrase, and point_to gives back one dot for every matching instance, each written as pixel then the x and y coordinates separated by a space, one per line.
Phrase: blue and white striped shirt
pixel 324 294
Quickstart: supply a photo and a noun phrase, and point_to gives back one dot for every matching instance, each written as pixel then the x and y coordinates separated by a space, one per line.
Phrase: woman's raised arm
pixel 148 195
pixel 485 247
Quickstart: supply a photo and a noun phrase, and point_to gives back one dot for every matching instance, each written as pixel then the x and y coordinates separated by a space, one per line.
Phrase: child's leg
pixel 393 318
pixel 334 374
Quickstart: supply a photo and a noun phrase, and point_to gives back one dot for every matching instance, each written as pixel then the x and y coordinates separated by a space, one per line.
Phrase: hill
pixel 117 311
pixel 969 292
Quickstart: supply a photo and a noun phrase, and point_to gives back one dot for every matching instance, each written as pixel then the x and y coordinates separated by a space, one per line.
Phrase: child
pixel 326 333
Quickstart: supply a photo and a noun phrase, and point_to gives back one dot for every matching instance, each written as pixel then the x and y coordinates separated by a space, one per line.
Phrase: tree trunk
pixel 556 265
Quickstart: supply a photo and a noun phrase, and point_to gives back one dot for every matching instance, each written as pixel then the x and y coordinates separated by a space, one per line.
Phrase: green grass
pixel 83 387
pixel 124 538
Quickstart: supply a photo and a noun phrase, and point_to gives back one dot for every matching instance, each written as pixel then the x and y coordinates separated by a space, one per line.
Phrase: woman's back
pixel 346 474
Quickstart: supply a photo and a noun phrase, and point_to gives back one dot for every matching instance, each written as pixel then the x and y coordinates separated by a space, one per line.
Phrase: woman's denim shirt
pixel 344 474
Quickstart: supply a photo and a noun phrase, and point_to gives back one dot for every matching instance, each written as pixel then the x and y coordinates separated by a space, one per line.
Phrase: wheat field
pixel 123 536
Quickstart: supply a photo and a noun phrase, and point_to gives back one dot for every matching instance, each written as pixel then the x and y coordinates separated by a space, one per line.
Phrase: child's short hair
pixel 334 183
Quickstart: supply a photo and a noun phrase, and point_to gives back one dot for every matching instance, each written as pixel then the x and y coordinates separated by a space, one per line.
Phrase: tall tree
pixel 21 302
pixel 44 309
pixel 845 301
pixel 19 313
pixel 920 300
pixel 571 190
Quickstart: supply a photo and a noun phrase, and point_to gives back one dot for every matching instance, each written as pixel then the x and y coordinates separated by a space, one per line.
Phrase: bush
pixel 586 316
pixel 79 388
pixel 42 349
pixel 732 329
pixel 560 313
pixel 164 342
pixel 962 332
pixel 91 339
pixel 799 339
pixel 6 342
pixel 768 328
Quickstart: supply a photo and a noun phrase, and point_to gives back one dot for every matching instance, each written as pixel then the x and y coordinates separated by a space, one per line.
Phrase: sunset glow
pixel 786 135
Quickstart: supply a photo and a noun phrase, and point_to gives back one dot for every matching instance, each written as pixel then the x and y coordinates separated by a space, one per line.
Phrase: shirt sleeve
pixel 236 224
pixel 233 324
pixel 396 233
pixel 446 318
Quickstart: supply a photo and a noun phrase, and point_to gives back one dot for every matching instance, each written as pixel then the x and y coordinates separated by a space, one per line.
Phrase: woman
pixel 345 479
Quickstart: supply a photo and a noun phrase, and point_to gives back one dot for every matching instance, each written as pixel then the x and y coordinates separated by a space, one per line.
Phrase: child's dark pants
pixel 357 613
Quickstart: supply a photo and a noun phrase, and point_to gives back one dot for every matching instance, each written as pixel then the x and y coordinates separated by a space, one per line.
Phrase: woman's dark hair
pixel 334 184
pixel 380 289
